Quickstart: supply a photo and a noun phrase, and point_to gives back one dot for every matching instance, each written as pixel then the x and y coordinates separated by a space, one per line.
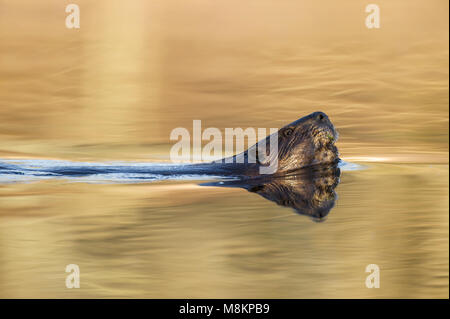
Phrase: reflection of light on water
pixel 368 159
pixel 432 157
pixel 347 166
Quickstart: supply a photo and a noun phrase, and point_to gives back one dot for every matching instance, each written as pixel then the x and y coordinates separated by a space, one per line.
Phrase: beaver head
pixel 306 142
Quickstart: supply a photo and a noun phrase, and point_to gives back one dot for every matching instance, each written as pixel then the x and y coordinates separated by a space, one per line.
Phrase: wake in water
pixel 33 170
pixel 308 191
pixel 111 172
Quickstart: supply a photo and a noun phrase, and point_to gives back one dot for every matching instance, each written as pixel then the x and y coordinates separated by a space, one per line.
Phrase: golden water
pixel 135 70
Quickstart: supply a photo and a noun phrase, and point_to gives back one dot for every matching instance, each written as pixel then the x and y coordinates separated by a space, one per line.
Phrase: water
pixel 113 90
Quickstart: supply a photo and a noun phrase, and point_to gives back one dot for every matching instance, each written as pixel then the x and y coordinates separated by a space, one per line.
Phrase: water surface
pixel 114 90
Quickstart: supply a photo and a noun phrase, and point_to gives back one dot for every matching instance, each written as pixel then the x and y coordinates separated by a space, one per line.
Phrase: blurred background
pixel 135 70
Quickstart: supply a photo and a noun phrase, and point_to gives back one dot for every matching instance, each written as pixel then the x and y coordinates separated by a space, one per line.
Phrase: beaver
pixel 307 142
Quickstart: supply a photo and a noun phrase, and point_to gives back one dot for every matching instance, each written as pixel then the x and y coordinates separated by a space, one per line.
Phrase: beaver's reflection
pixel 309 191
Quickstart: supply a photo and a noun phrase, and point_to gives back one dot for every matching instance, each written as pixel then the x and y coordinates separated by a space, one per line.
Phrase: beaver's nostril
pixel 321 117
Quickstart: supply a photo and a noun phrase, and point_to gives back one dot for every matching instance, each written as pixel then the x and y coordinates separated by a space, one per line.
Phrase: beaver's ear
pixel 255 189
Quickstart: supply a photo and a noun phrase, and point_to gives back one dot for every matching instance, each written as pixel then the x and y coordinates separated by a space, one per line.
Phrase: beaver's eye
pixel 288 131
